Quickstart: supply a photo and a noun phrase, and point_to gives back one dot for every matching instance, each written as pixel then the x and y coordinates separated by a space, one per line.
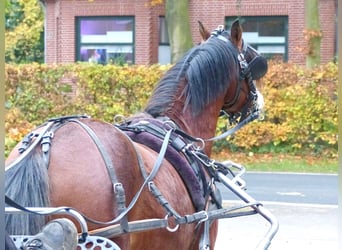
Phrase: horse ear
pixel 236 33
pixel 205 34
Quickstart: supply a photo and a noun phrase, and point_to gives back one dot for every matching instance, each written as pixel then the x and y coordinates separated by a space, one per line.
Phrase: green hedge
pixel 300 116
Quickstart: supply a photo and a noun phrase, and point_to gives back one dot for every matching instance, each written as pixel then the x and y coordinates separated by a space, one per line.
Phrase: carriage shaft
pixel 274 225
pixel 52 210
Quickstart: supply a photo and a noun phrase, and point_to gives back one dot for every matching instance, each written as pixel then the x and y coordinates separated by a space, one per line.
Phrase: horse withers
pixel 112 177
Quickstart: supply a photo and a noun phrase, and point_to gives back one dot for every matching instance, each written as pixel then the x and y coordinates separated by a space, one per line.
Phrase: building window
pixel 164 53
pixel 269 35
pixel 105 40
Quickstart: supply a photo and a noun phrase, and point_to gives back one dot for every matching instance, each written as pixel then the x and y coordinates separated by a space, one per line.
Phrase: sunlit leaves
pixel 300 104
pixel 301 111
pixel 24 31
pixel 36 92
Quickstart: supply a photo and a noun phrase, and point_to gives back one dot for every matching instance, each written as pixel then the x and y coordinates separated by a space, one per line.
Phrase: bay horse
pixel 98 168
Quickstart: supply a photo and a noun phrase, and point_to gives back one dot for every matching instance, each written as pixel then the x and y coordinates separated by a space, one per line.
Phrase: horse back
pixel 78 168
pixel 79 177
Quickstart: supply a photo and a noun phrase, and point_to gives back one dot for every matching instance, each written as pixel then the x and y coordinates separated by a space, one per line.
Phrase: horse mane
pixel 204 72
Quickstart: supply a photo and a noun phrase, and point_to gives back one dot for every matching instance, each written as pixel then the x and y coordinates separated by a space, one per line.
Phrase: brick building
pixel 130 31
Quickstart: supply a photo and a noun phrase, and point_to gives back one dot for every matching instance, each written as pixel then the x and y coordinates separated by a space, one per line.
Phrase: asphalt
pixel 301 226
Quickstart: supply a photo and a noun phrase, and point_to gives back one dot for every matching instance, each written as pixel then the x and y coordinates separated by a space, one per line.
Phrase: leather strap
pixel 48 125
pixel 117 187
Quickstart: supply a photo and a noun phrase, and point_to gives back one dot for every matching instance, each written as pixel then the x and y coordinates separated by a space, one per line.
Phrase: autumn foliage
pixel 300 112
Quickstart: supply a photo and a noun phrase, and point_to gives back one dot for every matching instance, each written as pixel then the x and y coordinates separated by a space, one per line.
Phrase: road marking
pixel 277 203
pixel 291 194
pixel 290 173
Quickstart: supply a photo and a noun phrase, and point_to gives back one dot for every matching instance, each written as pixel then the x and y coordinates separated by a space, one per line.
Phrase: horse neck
pixel 202 125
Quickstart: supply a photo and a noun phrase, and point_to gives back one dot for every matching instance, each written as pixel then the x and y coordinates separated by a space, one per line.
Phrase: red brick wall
pixel 212 13
pixel 60 23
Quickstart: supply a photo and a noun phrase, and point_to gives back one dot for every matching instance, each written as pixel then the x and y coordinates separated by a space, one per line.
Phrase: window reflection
pixel 105 40
pixel 164 54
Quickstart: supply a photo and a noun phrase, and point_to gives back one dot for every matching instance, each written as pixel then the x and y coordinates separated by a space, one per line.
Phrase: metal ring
pixel 199 140
pixel 172 230
pixel 169 123
pixel 117 119
pixel 220 27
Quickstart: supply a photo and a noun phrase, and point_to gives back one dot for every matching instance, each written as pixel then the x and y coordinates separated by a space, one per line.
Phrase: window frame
pixel 79 43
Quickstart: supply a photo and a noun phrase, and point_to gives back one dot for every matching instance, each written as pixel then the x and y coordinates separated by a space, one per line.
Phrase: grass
pixel 281 162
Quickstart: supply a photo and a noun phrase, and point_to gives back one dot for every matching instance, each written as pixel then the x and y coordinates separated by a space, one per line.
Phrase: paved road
pixel 305 206
pixel 290 187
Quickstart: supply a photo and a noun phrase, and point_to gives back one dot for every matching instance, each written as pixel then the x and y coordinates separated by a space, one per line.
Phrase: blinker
pixel 258 67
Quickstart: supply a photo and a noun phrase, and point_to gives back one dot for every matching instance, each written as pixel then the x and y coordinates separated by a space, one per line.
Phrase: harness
pixel 185 144
pixel 182 151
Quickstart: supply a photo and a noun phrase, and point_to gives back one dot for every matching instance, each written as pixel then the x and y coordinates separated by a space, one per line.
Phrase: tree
pixel 178 26
pixel 24 27
pixel 312 33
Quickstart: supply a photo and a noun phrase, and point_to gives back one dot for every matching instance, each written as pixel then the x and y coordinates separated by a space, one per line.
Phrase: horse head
pixel 218 74
pixel 245 99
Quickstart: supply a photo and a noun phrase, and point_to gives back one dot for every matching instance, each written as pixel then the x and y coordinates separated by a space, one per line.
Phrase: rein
pixel 251 117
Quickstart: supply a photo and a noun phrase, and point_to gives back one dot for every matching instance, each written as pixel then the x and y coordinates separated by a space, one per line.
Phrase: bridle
pixel 251 109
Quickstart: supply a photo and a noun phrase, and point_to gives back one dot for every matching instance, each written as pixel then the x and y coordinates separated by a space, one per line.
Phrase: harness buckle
pixel 242 61
pixel 25 143
pixel 46 141
pixel 206 217
pixel 117 187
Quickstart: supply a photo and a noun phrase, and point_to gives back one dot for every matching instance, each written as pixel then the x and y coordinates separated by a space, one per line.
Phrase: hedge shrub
pixel 300 111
